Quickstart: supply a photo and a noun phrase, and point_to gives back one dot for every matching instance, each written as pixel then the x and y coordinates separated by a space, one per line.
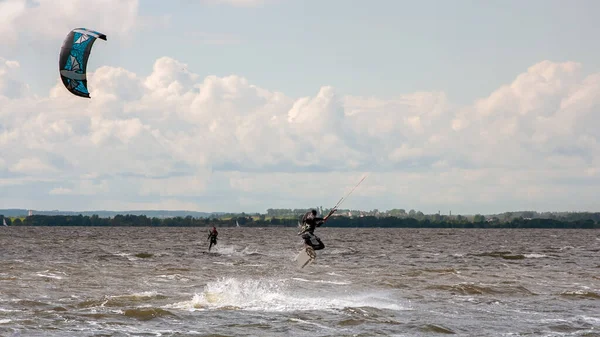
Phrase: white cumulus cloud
pixel 10 86
pixel 54 18
pixel 174 139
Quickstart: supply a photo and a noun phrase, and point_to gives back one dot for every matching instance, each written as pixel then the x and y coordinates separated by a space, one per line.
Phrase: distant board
pixel 305 257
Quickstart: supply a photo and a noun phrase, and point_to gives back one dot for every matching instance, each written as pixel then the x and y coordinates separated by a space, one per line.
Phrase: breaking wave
pixel 281 295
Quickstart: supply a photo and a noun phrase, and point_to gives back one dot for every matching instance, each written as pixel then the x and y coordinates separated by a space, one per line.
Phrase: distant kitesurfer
pixel 212 236
pixel 309 222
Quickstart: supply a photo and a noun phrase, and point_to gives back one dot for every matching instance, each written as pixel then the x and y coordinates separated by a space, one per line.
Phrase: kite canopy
pixel 74 55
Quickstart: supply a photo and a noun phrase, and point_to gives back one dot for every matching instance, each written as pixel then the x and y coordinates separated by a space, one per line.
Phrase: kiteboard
pixel 306 257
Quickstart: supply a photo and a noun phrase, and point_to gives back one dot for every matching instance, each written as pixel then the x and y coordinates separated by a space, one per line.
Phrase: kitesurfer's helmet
pixel 313 211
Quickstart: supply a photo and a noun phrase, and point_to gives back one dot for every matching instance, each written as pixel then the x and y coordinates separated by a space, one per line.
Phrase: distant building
pixel 30 213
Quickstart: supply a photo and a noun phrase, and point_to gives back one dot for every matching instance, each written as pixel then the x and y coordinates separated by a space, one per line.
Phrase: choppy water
pixel 393 282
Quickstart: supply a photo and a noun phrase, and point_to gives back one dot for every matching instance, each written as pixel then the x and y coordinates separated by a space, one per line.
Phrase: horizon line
pixel 450 213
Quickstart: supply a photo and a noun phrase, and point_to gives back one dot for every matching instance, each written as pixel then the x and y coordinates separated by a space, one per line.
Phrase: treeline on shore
pixel 249 221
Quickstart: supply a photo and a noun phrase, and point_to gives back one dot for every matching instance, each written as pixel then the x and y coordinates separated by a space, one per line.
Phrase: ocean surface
pixel 86 281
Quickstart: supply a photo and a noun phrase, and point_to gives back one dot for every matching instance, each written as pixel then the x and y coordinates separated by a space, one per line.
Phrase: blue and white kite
pixel 74 55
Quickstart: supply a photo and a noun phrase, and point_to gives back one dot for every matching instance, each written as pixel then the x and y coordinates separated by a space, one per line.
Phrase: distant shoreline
pixel 263 221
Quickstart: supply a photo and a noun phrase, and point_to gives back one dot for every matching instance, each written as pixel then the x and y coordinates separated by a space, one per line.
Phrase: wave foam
pixel 321 281
pixel 535 256
pixel 280 295
pixel 232 251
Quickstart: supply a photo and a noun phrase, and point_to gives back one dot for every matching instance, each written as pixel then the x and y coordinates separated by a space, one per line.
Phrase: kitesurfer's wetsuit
pixel 212 236
pixel 310 221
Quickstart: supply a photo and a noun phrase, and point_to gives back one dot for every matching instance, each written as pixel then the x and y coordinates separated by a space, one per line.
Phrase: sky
pixel 243 105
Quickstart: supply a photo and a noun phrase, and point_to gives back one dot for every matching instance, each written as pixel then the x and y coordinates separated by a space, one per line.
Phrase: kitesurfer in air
pixel 309 222
pixel 212 236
